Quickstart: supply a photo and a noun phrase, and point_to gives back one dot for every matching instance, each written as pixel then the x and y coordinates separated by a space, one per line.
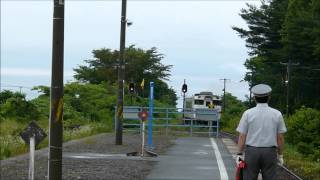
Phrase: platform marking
pixel 222 168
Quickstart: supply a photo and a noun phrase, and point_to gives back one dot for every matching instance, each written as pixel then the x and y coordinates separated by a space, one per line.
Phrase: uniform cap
pixel 261 90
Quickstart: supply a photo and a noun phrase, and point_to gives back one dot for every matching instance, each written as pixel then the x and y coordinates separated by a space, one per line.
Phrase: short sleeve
pixel 281 125
pixel 243 124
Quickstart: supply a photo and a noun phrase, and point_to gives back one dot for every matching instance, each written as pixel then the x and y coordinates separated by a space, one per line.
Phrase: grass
pixel 303 166
pixel 11 143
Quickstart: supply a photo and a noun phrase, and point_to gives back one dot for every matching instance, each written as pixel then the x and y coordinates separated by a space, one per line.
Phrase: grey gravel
pixel 16 168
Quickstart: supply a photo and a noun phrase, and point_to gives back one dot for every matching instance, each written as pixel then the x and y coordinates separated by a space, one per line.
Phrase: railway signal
pixel 184 90
pixel 184 87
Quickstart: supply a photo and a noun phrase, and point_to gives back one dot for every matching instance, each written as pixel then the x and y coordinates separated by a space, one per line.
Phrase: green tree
pixel 140 64
pixel 15 106
pixel 300 35
pixel 279 31
pixel 264 40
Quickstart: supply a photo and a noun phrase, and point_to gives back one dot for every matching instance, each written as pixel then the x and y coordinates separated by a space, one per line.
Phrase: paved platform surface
pixel 196 158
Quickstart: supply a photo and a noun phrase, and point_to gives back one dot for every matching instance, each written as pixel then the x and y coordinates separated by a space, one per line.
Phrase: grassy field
pixel 11 143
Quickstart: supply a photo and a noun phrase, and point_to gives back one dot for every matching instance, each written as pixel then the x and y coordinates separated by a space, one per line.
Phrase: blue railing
pixel 196 121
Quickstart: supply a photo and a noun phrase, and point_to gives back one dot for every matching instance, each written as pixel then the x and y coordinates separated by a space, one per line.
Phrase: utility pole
pixel 250 87
pixel 121 69
pixel 287 82
pixel 224 93
pixel 56 94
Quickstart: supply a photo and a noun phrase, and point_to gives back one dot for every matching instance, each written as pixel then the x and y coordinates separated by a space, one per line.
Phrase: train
pixel 204 103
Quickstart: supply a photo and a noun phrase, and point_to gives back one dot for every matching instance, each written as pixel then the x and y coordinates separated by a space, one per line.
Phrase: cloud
pixel 30 72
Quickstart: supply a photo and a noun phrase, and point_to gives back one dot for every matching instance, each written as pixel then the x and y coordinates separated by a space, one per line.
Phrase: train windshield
pixel 207 103
pixel 216 102
pixel 198 102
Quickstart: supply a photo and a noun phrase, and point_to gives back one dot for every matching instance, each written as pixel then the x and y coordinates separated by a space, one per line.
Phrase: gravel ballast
pixel 16 168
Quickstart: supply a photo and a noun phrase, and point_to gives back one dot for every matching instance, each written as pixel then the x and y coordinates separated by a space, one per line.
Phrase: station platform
pixel 196 158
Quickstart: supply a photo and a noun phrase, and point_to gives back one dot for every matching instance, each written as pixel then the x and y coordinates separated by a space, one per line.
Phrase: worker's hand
pixel 239 158
pixel 280 159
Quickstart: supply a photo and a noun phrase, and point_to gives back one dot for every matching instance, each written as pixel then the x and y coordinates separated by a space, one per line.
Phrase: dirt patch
pixel 90 169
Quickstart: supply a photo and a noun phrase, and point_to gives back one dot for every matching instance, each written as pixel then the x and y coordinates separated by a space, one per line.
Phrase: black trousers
pixel 262 159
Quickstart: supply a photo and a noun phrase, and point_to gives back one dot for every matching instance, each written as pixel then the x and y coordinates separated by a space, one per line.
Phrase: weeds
pixel 11 143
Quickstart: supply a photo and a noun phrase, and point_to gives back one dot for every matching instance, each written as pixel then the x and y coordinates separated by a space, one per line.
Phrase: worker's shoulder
pixel 251 110
pixel 275 111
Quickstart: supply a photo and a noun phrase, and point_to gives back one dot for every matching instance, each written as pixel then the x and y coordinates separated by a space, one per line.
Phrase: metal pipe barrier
pixel 195 121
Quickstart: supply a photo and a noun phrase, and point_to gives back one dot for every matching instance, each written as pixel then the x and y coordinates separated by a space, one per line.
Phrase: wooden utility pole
pixel 56 94
pixel 224 94
pixel 287 82
pixel 121 69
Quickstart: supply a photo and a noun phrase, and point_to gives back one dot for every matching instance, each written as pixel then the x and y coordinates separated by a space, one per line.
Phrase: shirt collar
pixel 262 105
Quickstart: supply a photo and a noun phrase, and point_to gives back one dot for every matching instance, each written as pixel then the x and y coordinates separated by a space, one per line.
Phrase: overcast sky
pixel 195 37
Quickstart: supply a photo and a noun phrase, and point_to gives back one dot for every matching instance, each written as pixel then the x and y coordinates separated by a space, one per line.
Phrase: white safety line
pixel 222 168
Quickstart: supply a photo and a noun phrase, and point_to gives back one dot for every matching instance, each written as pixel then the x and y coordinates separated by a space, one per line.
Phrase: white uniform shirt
pixel 261 124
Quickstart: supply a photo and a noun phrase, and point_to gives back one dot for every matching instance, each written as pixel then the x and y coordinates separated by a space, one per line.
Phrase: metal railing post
pixel 167 121
pixel 210 128
pixel 141 123
pixel 218 120
pixel 191 126
pixel 115 118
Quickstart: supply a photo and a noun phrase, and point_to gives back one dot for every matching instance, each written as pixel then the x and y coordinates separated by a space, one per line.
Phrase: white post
pixel 142 144
pixel 31 160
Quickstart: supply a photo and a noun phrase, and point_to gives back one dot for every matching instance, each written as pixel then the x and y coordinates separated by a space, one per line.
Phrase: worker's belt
pixel 261 147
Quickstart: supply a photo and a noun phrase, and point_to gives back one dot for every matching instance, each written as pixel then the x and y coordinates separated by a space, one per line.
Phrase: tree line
pixel 279 32
pixel 94 94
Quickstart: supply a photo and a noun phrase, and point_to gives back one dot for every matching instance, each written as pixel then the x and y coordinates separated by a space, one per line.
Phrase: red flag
pixel 240 167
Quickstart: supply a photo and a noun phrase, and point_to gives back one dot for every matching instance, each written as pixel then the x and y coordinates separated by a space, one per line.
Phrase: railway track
pixel 283 172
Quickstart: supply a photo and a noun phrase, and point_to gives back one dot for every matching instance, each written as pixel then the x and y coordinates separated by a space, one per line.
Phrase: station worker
pixel 261 131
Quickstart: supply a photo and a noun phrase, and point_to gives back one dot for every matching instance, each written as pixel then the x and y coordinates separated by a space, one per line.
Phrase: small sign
pixel 143 115
pixel 33 130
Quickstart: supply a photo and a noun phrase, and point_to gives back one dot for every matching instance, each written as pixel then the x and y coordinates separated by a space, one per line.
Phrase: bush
pixel 303 131
pixel 230 123
pixel 305 148
pixel 231 118
pixel 20 109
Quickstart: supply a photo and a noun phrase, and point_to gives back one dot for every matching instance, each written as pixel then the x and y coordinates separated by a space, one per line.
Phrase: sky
pixel 194 36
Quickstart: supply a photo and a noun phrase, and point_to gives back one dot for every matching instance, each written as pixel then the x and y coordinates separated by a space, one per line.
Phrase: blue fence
pixel 177 120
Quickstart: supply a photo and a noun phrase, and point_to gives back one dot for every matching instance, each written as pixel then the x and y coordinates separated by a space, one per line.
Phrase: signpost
pixel 32 135
pixel 143 115
pixel 150 117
